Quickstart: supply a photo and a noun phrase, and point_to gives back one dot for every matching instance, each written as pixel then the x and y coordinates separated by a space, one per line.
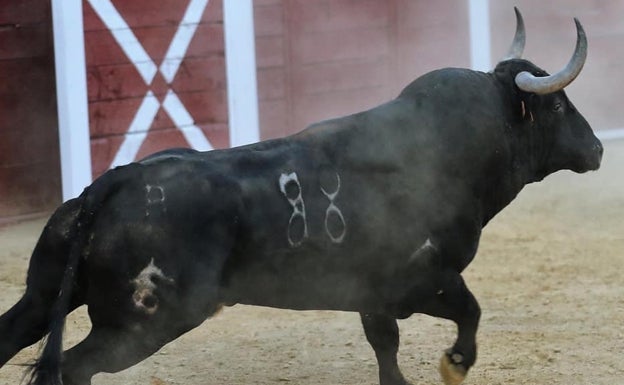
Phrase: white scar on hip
pixel 144 286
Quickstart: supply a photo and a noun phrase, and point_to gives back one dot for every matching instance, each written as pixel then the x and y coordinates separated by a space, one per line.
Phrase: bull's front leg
pixel 453 301
pixel 382 332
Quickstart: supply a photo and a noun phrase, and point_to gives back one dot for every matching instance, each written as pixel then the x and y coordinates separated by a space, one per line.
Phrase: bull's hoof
pixel 451 369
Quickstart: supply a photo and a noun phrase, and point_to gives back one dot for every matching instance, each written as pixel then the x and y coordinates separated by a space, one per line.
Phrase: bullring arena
pixel 548 272
pixel 548 276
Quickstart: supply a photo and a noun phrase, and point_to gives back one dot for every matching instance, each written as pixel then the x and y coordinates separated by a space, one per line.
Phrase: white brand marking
pixel 155 195
pixel 332 208
pixel 297 205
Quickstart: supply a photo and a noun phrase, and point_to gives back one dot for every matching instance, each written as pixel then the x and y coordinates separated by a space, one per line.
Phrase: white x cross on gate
pixel 137 132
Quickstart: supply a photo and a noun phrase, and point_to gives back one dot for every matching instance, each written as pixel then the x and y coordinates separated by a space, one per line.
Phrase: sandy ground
pixel 549 276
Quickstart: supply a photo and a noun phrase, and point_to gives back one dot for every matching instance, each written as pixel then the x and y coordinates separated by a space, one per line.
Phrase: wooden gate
pixel 156 78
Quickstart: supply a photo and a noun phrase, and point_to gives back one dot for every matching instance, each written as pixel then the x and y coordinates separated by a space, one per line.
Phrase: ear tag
pixel 524 111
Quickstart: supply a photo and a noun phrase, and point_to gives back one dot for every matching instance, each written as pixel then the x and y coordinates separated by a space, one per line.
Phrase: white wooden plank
pixel 240 60
pixel 480 41
pixel 71 94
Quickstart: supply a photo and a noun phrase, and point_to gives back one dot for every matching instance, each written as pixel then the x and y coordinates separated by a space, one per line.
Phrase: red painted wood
pixel 115 81
pixel 103 152
pixel 29 152
pixel 161 139
pixel 339 15
pixel 341 56
pixel 341 75
pixel 314 108
pixel 113 117
pixel 273 118
pixel 145 13
pixel 21 80
pixel 259 3
pixel 29 188
pixel 271 22
pixel 24 41
pixel 217 133
pixel 330 58
pixel 268 19
pixel 24 12
pixel 271 83
pixel 103 149
pixel 102 49
pixel 201 74
pixel 122 81
pixel 270 51
pixel 431 36
pixel 31 138
pixel 206 106
pixel 157 140
pixel 318 47
pixel 208 41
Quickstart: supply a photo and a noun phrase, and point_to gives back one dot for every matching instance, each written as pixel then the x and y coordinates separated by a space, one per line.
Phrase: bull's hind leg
pixel 125 334
pixel 27 321
pixel 117 343
pixel 382 332
pixel 23 325
pixel 110 350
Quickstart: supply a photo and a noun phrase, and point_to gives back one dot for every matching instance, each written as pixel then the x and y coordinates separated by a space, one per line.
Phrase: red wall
pixel 326 58
pixel 29 152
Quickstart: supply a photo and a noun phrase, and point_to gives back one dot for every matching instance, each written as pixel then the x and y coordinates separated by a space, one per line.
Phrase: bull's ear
pixel 517 45
pixel 526 81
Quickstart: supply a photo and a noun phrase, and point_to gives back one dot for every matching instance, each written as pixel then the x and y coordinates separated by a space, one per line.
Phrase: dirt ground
pixel 549 276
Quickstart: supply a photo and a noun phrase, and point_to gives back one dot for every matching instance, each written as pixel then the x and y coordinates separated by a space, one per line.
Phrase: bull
pixel 378 213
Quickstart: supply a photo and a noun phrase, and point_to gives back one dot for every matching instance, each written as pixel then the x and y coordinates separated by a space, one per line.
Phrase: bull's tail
pixel 47 369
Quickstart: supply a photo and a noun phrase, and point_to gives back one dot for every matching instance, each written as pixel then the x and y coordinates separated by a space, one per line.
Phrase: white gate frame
pixel 480 41
pixel 71 96
pixel 240 63
pixel 71 86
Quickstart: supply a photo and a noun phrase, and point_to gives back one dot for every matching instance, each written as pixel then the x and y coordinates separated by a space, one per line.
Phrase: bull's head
pixel 559 136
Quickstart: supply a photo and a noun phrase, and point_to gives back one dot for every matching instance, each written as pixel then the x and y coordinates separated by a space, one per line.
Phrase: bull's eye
pixel 557 107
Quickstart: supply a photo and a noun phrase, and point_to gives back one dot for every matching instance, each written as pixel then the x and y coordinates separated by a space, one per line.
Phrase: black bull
pixel 378 213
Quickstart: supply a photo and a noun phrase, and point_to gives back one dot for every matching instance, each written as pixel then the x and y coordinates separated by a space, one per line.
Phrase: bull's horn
pixel 555 82
pixel 517 45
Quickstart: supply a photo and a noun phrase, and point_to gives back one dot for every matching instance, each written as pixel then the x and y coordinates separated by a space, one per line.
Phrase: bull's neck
pixel 498 190
pixel 526 162
pixel 533 151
